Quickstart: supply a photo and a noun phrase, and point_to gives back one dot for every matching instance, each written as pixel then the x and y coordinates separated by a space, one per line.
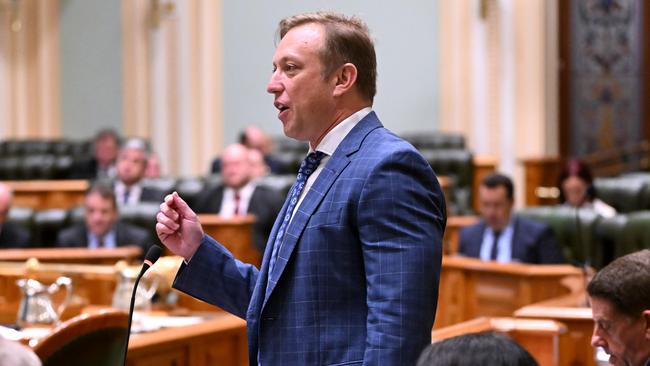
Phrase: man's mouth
pixel 282 108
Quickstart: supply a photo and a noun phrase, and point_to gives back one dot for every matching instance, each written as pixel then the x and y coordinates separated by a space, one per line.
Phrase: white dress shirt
pixel 135 191
pixel 504 245
pixel 110 240
pixel 228 200
pixel 328 145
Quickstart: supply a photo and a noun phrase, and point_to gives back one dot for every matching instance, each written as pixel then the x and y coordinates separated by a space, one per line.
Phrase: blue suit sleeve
pixel 401 222
pixel 216 277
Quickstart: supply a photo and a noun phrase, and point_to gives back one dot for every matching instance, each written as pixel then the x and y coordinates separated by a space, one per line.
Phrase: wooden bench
pixel 471 288
pixel 46 194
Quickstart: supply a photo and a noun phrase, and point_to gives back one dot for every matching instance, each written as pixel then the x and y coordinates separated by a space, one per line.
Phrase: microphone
pixel 152 256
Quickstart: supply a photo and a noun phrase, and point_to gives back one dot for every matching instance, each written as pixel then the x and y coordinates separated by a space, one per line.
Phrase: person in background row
pixel 620 304
pixel 153 170
pixel 240 195
pixel 102 165
pixel 473 349
pixel 254 138
pixel 577 189
pixel 504 236
pixel 101 227
pixel 131 166
pixel 259 168
pixel 11 235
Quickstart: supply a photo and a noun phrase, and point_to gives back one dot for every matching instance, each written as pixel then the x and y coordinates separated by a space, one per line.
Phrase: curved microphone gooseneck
pixel 152 256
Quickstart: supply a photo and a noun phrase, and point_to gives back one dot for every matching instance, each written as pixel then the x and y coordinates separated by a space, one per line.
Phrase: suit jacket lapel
pixel 336 164
pixel 478 243
pixel 518 249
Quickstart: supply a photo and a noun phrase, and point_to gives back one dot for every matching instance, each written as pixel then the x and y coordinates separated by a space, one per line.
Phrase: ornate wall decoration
pixel 605 74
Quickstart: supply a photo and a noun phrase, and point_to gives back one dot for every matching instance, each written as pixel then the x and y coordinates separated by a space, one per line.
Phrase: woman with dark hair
pixel 577 189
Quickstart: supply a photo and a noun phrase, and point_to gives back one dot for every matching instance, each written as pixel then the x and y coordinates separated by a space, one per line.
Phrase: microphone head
pixel 152 255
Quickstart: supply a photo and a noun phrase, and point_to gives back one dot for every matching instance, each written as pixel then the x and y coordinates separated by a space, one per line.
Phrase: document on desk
pixel 149 323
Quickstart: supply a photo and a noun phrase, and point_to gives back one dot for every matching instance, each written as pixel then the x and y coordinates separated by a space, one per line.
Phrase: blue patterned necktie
pixel 306 168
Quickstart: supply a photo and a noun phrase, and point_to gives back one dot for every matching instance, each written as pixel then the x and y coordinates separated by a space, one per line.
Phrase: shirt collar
pixel 246 190
pixel 333 139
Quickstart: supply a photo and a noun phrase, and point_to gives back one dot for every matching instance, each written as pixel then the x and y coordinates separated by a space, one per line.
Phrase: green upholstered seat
pixel 574 230
pixel 95 339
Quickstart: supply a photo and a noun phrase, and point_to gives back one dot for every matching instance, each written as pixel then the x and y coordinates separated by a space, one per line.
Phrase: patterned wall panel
pixel 605 74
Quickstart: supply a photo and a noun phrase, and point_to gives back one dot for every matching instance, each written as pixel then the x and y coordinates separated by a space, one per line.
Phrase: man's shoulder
pixel 14 234
pixel 72 235
pixel 473 229
pixel 530 226
pixel 130 230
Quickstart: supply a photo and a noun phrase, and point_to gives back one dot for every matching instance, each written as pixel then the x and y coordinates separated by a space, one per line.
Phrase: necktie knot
pixel 310 163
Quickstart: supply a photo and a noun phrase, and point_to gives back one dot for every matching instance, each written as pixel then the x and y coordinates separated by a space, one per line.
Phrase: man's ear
pixel 646 318
pixel 346 77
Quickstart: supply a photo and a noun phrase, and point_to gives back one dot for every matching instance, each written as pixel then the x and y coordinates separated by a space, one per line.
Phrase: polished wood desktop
pixel 72 255
pixel 220 340
pixel 470 288
pixel 46 194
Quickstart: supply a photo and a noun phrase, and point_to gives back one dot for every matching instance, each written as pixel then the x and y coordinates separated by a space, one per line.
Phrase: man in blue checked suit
pixel 351 269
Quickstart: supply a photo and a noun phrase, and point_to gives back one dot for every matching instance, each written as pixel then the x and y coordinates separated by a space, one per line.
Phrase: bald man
pixel 11 235
pixel 255 139
pixel 239 194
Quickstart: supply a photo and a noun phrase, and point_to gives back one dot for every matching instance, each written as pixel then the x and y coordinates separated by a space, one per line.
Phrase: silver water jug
pixel 36 305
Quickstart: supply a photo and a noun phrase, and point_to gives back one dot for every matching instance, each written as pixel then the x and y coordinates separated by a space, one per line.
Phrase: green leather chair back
pixel 636 234
pixel 574 229
pixel 625 194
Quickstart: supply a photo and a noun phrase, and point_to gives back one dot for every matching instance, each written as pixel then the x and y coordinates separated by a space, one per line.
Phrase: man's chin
pixel 613 360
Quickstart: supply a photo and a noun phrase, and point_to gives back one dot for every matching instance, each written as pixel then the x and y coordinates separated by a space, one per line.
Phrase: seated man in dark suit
pixel 102 164
pixel 503 236
pixel 102 228
pixel 240 195
pixel 131 167
pixel 11 235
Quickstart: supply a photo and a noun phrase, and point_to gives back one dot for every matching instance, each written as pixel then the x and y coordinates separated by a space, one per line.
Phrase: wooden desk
pixel 45 194
pixel 218 341
pixel 539 337
pixel 92 285
pixel 235 234
pixel 572 311
pixel 484 165
pixel 540 172
pixel 470 288
pixel 451 240
pixel 72 255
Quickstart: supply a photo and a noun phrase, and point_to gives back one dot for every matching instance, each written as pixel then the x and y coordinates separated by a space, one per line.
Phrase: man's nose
pixel 274 85
pixel 597 341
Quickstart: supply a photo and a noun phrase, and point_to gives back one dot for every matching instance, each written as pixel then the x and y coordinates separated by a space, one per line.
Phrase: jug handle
pixel 67 283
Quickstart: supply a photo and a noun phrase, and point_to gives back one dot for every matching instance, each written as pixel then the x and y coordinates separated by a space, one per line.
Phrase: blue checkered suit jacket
pixel 356 280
